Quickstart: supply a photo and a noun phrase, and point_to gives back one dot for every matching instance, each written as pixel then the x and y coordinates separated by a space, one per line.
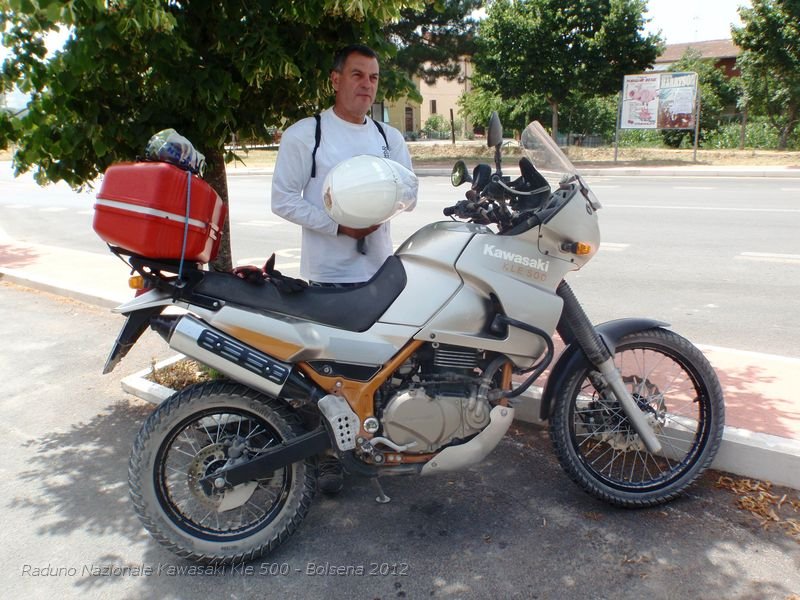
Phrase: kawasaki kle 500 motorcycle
pixel 416 372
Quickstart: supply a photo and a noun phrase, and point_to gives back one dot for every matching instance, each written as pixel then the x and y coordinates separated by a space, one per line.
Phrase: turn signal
pixel 579 248
pixel 136 282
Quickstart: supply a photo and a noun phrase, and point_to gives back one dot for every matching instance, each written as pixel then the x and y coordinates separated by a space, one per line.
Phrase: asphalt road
pixel 513 527
pixel 716 257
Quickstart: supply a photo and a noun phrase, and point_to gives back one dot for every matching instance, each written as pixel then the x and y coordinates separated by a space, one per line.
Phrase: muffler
pixel 215 349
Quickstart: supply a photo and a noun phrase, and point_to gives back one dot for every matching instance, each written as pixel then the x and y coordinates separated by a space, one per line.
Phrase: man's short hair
pixel 342 53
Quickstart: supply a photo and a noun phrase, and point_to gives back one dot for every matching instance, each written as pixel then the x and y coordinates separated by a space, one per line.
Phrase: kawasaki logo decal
pixel 526 261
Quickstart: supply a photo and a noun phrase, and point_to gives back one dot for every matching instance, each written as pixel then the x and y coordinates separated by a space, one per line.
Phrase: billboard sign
pixel 659 101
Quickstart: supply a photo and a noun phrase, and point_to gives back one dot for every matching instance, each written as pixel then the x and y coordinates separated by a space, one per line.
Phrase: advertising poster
pixel 640 101
pixel 659 101
pixel 676 100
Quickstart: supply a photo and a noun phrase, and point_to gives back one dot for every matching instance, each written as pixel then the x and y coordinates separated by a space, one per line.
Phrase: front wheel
pixel 675 387
pixel 190 436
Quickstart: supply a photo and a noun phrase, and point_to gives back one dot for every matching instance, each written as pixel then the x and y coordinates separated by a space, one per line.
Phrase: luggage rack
pixel 156 271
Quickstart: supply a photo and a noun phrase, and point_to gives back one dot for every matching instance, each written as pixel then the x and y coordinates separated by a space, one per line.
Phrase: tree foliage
pixel 770 62
pixel 556 50
pixel 430 41
pixel 207 68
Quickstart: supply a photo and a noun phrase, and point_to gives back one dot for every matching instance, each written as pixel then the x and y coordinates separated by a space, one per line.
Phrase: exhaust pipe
pixel 221 352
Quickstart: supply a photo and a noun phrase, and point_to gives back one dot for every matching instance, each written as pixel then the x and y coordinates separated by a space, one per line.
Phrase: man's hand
pixel 356 234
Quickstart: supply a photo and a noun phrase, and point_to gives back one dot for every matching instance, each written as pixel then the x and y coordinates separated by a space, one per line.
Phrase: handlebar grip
pixel 449 211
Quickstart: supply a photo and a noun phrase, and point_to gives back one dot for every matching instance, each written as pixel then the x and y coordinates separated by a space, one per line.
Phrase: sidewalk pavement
pixel 762 432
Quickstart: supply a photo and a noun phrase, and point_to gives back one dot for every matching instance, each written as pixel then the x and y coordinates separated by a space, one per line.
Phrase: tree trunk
pixel 554 109
pixel 218 179
pixel 787 130
pixel 783 138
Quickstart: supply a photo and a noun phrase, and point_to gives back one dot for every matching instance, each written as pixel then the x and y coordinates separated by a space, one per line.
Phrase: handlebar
pixel 514 206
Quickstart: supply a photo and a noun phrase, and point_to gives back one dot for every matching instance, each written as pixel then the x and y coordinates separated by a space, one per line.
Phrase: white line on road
pixel 53 209
pixel 261 223
pixel 613 247
pixel 692 187
pixel 789 259
pixel 713 208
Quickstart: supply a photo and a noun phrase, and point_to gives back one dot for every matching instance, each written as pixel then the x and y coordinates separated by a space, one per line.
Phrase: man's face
pixel 356 87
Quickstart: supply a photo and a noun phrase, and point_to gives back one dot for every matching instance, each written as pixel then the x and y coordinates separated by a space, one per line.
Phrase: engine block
pixel 412 416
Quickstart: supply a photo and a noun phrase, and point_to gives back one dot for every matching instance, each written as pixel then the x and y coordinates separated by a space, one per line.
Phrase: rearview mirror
pixel 495 133
pixel 459 174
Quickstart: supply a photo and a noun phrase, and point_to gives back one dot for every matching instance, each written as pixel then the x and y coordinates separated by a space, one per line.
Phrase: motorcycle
pixel 422 378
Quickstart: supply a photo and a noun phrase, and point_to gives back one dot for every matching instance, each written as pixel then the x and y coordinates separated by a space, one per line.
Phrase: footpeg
pixel 343 421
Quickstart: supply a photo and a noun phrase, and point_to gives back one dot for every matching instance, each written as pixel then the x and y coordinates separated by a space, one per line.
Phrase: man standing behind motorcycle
pixel 333 255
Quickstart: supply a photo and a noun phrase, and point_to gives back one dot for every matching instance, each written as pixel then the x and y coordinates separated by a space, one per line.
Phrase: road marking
pixel 692 187
pixel 261 223
pixel 288 253
pixel 53 209
pixel 613 247
pixel 19 206
pixel 713 208
pixel 788 259
pixel 796 190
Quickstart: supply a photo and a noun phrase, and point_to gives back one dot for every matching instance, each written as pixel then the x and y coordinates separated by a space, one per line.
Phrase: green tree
pixel 432 39
pixel 770 62
pixel 717 92
pixel 479 103
pixel 557 49
pixel 208 69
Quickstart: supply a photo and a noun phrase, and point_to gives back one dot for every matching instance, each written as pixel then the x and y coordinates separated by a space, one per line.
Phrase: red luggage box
pixel 141 207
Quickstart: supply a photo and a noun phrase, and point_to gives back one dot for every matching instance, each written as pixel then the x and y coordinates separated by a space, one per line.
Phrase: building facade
pixel 441 96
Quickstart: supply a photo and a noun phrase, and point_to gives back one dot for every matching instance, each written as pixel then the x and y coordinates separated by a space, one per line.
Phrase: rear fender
pixel 135 324
pixel 573 357
pixel 139 311
pixel 147 300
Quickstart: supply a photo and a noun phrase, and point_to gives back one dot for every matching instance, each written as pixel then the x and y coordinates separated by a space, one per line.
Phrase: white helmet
pixel 366 190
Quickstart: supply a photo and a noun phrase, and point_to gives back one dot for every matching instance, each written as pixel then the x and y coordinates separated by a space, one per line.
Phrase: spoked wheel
pixel 675 387
pixel 184 442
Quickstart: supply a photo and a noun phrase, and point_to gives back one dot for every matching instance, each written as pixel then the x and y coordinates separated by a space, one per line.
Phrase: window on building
pixel 433 107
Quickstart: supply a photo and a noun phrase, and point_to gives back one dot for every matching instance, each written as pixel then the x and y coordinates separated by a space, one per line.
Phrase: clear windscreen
pixel 549 160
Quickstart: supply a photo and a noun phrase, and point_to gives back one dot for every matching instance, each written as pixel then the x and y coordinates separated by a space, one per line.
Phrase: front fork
pixel 592 345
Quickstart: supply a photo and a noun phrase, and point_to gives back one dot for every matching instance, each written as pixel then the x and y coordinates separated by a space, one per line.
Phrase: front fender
pixel 573 357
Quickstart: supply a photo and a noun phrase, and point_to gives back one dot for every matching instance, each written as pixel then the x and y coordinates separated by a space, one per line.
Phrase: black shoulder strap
pixel 383 134
pixel 318 137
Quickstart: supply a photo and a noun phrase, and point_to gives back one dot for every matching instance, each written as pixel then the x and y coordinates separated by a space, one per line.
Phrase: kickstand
pixel 382 497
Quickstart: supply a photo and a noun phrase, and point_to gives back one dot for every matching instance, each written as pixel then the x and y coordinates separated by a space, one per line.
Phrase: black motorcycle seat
pixel 353 309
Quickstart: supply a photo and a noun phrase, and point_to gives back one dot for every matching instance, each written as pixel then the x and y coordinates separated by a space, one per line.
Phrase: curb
pixel 138 385
pixel 31 281
pixel 744 453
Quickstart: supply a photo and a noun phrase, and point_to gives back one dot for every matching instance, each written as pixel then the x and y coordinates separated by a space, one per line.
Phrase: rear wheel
pixel 675 387
pixel 190 436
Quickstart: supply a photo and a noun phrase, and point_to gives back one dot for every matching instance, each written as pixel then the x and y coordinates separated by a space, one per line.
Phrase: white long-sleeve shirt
pixel 297 197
